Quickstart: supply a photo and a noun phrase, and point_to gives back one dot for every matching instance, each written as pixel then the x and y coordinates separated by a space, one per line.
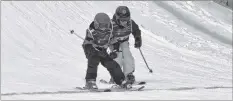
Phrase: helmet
pixel 102 21
pixel 122 13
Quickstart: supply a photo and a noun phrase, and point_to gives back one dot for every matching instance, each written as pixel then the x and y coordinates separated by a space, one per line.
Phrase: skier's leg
pixel 114 70
pixel 128 62
pixel 91 73
pixel 118 59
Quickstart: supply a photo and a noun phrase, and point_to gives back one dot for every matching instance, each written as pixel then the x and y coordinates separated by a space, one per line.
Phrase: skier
pixel 123 26
pixel 96 42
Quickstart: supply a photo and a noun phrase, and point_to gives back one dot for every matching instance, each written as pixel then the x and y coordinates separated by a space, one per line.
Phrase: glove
pixel 116 46
pixel 138 42
pixel 113 55
pixel 103 53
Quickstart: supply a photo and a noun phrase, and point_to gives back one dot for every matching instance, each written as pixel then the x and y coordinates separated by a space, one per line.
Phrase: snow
pixel 188 44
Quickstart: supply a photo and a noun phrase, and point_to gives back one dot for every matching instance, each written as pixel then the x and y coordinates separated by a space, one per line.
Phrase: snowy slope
pixel 187 44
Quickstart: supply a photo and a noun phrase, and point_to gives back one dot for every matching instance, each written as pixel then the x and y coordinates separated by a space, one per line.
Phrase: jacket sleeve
pixel 87 44
pixel 88 39
pixel 135 30
pixel 114 43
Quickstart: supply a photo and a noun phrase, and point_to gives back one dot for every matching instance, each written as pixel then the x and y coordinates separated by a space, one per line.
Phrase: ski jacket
pixel 121 34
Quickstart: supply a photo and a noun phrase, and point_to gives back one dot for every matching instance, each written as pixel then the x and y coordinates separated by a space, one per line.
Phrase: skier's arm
pixel 115 45
pixel 88 39
pixel 137 35
pixel 135 30
pixel 87 44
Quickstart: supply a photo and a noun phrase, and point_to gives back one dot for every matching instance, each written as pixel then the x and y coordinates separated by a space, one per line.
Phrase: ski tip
pixel 80 87
pixel 107 90
pixel 140 89
pixel 141 83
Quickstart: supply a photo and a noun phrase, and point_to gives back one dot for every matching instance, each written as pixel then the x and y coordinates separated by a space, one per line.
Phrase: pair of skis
pixel 135 83
pixel 137 86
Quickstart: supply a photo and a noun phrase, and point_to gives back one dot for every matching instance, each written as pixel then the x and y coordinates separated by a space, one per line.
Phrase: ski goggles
pixel 103 26
pixel 124 19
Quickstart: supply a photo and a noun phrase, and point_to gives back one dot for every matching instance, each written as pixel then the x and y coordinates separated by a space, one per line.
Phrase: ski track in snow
pixel 187 44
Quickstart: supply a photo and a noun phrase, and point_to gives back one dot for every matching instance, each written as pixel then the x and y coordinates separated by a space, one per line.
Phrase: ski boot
pixel 126 84
pixel 91 84
pixel 130 78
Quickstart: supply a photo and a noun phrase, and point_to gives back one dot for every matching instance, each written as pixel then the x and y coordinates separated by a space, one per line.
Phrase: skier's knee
pixel 110 65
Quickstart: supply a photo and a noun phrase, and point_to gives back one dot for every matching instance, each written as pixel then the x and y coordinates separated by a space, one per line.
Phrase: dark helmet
pixel 102 21
pixel 122 13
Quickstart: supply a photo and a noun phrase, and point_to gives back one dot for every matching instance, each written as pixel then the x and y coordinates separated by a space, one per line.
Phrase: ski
pixel 137 88
pixel 140 88
pixel 136 83
pixel 93 90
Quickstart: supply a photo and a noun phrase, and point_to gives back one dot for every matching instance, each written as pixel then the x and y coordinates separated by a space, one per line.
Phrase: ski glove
pixel 116 46
pixel 103 53
pixel 138 42
pixel 113 55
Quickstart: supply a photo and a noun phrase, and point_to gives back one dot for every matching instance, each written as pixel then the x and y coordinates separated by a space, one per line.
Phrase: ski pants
pixel 125 58
pixel 112 66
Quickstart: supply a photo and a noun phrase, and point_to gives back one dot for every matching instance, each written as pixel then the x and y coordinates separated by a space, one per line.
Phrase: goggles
pixel 102 26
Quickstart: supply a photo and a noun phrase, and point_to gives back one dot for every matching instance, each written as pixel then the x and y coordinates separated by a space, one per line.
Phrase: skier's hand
pixel 113 55
pixel 116 46
pixel 138 42
pixel 103 53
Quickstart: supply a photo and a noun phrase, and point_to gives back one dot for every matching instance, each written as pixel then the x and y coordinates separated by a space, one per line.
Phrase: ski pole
pixel 150 70
pixel 72 32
